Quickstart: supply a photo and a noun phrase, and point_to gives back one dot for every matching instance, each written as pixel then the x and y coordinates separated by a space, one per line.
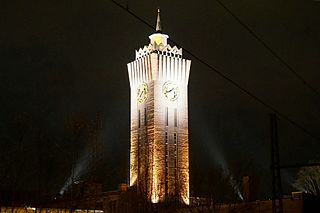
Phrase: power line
pixel 265 45
pixel 250 94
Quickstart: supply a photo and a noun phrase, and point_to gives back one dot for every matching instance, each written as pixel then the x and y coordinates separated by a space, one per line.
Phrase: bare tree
pixel 308 180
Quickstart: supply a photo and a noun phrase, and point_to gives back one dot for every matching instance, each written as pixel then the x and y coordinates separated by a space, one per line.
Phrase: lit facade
pixel 159 151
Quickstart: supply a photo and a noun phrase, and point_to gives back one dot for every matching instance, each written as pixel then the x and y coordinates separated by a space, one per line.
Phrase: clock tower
pixel 159 143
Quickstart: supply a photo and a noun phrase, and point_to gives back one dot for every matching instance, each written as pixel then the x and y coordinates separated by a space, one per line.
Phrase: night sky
pixel 63 63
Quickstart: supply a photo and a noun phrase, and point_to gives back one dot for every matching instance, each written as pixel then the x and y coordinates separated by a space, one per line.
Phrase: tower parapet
pixel 161 49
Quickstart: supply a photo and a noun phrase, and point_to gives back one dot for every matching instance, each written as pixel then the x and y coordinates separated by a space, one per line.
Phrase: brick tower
pixel 159 146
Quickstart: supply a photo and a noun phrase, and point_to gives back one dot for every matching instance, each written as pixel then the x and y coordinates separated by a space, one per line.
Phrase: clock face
pixel 170 90
pixel 142 93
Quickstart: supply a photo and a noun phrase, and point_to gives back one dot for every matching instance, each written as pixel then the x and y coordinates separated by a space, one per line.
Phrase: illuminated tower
pixel 159 151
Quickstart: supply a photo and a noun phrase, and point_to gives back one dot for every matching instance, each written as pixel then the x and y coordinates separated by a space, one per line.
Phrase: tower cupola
pixel 158 39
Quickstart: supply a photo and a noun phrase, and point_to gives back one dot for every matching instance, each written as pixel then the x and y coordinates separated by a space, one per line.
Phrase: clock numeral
pixel 142 93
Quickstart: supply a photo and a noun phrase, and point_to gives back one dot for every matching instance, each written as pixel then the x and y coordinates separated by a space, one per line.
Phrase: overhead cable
pixel 237 85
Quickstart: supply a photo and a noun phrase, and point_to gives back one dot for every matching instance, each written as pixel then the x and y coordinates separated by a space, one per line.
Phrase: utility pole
pixel 277 206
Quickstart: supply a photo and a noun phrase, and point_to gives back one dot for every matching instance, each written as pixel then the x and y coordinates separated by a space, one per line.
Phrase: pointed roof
pixel 158 26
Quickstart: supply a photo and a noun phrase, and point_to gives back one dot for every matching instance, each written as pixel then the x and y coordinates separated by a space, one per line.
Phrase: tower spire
pixel 158 26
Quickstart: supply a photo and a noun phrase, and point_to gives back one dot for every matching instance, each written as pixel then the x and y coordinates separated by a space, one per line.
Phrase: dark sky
pixel 64 62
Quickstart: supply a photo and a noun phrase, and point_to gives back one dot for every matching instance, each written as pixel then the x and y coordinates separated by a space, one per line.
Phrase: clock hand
pixel 140 94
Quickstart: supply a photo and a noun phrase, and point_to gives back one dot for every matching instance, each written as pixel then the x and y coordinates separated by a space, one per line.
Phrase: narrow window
pixel 167 187
pixel 175 149
pixel 166 138
pixel 166 146
pixel 175 117
pixel 139 124
pixel 166 157
pixel 145 116
pixel 166 117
